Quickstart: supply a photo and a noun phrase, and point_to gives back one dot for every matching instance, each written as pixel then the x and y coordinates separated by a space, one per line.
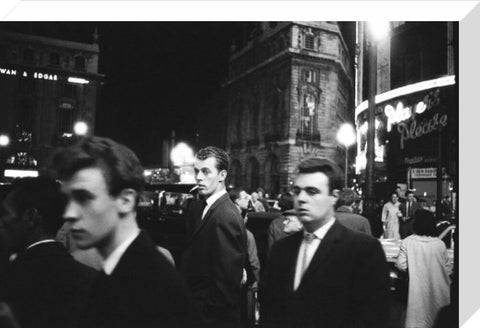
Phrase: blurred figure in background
pixel 391 215
pixel 44 286
pixel 257 205
pixel 262 198
pixel 276 228
pixel 425 258
pixel 345 215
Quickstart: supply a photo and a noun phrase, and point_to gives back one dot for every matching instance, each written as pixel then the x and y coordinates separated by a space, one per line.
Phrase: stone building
pixel 46 85
pixel 288 89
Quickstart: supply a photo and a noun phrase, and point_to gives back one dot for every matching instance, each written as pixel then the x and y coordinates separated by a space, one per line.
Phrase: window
pixel 54 59
pixel 310 41
pixel 80 63
pixel 309 76
pixel 28 56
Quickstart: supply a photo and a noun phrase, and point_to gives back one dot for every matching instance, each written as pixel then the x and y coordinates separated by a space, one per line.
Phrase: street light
pixel 80 128
pixel 377 31
pixel 346 136
pixel 182 156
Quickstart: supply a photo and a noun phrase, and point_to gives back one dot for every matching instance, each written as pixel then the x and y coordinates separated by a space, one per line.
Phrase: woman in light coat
pixel 390 216
pixel 425 258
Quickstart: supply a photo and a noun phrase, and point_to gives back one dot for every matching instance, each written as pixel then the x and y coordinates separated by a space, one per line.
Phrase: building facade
pixel 288 90
pixel 416 111
pixel 46 86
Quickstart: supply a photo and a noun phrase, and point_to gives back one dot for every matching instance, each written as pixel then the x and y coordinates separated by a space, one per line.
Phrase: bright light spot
pixel 182 154
pixel 20 173
pixel 80 128
pixel 346 135
pixel 4 140
pixel 378 29
pixel 78 80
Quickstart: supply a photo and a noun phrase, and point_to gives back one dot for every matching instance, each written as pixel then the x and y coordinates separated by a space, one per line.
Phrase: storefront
pixel 416 134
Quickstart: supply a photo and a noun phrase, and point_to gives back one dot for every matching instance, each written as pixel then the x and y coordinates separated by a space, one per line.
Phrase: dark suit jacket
pixel 143 290
pixel 352 221
pixel 46 287
pixel 405 228
pixel 346 284
pixel 213 260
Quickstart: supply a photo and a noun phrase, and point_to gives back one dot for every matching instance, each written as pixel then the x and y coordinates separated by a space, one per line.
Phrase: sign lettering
pixel 412 130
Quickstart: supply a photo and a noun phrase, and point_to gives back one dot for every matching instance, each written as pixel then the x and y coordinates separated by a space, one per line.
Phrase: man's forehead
pixel 209 162
pixel 315 179
pixel 84 179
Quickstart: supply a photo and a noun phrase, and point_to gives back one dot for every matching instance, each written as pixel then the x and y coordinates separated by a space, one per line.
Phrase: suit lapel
pixel 292 254
pixel 324 250
pixel 203 222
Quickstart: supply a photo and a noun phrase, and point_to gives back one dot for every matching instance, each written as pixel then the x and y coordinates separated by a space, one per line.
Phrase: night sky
pixel 158 75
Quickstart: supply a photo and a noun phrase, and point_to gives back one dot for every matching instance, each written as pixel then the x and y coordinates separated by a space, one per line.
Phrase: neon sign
pixel 412 130
pixel 35 75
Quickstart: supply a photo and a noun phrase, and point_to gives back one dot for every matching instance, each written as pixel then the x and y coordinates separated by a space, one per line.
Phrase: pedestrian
pixel 216 249
pixel 391 215
pixel 408 209
pixel 138 287
pixel 262 197
pixel 425 258
pixel 45 286
pixel 345 215
pixel 276 230
pixel 257 205
pixel 326 275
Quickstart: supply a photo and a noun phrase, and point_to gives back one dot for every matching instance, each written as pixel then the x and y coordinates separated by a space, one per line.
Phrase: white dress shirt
pixel 307 250
pixel 212 199
pixel 112 260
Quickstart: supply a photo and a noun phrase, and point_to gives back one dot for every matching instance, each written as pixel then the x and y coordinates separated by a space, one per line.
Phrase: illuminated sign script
pixel 35 75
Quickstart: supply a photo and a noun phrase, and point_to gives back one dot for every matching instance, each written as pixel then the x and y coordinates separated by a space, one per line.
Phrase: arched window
pixel 252 175
pixel 272 175
pixel 235 174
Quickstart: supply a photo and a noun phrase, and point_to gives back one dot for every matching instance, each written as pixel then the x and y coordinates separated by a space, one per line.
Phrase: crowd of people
pixel 324 266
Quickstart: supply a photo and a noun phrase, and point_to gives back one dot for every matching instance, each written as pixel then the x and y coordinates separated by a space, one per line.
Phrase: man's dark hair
pixel 409 192
pixel 221 156
pixel 234 194
pixel 44 195
pixel 285 202
pixel 346 197
pixel 325 166
pixel 424 223
pixel 119 164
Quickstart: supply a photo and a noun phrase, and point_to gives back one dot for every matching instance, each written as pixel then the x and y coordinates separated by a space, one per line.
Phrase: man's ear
pixel 334 195
pixel 31 218
pixel 223 175
pixel 126 200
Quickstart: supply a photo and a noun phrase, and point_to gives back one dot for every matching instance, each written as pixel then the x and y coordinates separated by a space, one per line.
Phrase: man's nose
pixel 71 212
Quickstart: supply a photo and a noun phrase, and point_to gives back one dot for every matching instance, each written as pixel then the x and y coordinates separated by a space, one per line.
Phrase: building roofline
pixel 49 41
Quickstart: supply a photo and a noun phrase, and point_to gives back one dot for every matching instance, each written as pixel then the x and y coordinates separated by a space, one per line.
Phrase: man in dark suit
pixel 408 209
pixel 326 275
pixel 45 286
pixel 344 213
pixel 216 250
pixel 138 287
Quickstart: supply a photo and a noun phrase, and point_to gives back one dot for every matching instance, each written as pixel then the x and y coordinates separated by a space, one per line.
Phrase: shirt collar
pixel 112 260
pixel 213 198
pixel 322 231
pixel 41 242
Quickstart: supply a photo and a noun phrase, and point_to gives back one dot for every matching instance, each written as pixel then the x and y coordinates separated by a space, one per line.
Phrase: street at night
pixel 229 174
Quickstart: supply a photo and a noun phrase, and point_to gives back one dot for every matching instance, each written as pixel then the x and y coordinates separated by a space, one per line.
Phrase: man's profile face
pixel 291 224
pixel 312 198
pixel 209 179
pixel 91 211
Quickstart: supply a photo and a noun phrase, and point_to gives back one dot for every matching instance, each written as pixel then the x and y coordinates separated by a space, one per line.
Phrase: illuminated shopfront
pixel 416 127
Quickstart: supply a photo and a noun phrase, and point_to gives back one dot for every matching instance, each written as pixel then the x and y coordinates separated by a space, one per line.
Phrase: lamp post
pixel 4 142
pixel 377 31
pixel 346 136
